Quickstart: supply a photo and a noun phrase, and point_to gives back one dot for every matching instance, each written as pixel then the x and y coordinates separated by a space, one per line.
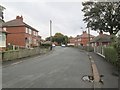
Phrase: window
pixel 91 38
pixel 27 30
pixel 30 31
pixel 34 41
pixel 79 39
pixel 2 40
pixel 36 33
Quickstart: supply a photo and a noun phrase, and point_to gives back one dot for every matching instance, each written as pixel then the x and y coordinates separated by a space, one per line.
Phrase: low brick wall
pixel 17 54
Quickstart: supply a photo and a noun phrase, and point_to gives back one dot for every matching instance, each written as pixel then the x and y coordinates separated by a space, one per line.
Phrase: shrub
pixel 110 54
pixel 46 45
pixel 117 47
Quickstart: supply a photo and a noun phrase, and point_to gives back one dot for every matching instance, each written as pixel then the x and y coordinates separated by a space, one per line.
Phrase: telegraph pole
pixel 51 34
pixel 89 38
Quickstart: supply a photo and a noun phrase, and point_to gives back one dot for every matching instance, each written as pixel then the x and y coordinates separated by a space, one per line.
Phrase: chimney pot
pixel 84 31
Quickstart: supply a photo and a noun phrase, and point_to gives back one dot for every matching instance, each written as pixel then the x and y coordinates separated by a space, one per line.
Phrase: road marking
pixel 16 63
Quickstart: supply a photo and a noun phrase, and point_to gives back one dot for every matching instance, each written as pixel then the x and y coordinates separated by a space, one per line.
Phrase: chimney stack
pixel 84 32
pixel 101 32
pixel 19 17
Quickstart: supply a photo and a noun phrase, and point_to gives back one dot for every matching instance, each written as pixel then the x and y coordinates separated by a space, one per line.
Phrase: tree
pixel 102 16
pixel 59 38
pixel 47 39
pixel 66 40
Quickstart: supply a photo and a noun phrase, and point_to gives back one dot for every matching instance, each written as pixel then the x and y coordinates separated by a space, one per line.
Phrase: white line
pixel 16 63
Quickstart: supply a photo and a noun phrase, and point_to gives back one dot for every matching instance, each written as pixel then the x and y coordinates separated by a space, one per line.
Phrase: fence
pixel 87 48
pixel 17 54
pixel 100 50
pixel 109 53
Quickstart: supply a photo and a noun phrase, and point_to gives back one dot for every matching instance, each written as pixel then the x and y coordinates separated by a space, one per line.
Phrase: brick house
pixel 100 42
pixel 72 41
pixel 20 33
pixel 101 39
pixel 82 39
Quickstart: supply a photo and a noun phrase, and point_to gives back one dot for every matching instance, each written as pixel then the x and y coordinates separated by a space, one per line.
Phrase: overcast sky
pixel 67 17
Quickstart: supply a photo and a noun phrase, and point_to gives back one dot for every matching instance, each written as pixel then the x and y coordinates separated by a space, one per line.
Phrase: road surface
pixel 61 68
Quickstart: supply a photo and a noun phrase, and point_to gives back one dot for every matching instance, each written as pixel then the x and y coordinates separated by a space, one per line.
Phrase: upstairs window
pixel 30 31
pixel 27 30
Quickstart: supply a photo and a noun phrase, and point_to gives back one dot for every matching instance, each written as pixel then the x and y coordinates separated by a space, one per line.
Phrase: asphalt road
pixel 61 68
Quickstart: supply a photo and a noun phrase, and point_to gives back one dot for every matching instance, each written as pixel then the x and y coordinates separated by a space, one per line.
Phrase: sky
pixel 66 16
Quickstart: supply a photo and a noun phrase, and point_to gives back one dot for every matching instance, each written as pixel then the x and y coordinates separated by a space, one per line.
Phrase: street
pixel 61 68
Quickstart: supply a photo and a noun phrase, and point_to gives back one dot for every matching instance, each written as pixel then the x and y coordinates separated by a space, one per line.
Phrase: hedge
pixel 46 45
pixel 110 55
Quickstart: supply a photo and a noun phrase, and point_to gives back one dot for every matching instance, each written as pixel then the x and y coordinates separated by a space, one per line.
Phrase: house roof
pixel 17 23
pixel 102 38
pixel 85 35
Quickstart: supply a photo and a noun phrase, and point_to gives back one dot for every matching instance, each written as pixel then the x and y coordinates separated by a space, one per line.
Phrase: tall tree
pixel 102 16
pixel 59 38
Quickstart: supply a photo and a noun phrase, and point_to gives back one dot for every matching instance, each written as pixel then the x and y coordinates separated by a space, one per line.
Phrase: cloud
pixel 66 17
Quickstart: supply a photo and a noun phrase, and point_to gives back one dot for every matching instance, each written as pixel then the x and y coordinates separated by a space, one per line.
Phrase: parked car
pixel 63 45
pixel 53 45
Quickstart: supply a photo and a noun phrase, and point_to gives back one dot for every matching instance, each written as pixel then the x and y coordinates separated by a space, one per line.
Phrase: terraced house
pixel 21 34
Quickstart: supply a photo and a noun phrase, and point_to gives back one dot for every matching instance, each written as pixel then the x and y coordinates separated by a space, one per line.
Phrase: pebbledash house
pixel 21 34
pixel 3 32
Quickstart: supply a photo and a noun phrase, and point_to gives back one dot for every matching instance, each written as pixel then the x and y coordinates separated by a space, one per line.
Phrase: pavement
pixel 64 67
pixel 106 69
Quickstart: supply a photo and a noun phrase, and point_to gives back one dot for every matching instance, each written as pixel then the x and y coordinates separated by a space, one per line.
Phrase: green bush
pixel 70 46
pixel 47 45
pixel 117 47
pixel 110 54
